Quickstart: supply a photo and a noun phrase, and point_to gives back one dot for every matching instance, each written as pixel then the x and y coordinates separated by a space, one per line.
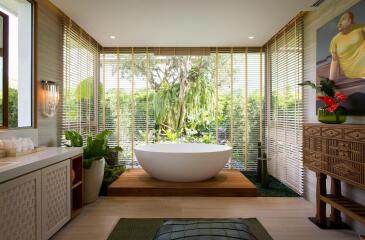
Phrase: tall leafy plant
pixel 95 149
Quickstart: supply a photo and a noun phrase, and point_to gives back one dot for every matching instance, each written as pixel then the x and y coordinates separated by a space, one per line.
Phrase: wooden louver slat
pixel 285 105
pixel 80 73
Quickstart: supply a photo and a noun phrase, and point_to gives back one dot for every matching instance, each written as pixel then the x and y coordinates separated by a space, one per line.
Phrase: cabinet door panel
pixel 20 208
pixel 55 197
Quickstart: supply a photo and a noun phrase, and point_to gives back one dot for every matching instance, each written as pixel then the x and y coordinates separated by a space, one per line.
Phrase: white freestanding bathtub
pixel 190 162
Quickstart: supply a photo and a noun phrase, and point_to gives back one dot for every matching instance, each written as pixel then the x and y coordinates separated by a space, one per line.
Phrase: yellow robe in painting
pixel 350 50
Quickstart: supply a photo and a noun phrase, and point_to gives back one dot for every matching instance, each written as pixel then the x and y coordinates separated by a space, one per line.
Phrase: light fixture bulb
pixel 251 37
pixel 50 98
pixel 113 37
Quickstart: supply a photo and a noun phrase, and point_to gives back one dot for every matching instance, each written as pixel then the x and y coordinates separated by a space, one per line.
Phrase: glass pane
pixel 215 98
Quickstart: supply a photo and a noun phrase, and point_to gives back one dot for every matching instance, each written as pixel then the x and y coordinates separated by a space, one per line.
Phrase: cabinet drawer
pixel 56 199
pixel 312 131
pixel 20 208
pixel 329 132
pixel 355 135
pixel 347 169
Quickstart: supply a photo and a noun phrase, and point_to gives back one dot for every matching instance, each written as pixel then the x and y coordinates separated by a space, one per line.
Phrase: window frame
pixel 5 80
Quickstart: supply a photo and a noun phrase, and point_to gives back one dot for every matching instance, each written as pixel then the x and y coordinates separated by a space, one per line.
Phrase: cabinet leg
pixel 336 191
pixel 321 206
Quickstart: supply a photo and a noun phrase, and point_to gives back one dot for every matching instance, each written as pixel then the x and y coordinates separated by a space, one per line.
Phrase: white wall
pixel 312 22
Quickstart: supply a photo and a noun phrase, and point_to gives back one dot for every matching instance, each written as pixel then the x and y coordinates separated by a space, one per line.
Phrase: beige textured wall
pixel 49 65
pixel 312 21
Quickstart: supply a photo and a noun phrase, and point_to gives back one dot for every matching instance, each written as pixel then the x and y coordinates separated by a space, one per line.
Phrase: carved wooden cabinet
pixel 337 151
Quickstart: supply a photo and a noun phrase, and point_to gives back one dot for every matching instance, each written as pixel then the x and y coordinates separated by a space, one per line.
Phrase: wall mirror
pixel 16 63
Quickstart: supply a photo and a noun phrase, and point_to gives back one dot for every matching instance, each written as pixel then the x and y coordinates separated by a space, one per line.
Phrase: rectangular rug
pixel 146 228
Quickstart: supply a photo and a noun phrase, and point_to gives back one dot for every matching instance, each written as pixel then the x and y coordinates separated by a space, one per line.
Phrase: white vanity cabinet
pixel 35 194
pixel 36 205
pixel 56 200
pixel 20 208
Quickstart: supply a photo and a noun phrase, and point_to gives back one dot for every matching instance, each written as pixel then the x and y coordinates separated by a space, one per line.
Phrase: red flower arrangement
pixel 329 96
pixel 333 112
pixel 333 103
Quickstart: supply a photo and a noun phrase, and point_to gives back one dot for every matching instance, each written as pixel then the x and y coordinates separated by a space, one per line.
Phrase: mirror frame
pixel 33 63
pixel 5 70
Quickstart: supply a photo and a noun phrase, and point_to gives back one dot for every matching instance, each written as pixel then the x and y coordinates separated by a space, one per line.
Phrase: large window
pixel 285 107
pixel 183 95
pixel 80 73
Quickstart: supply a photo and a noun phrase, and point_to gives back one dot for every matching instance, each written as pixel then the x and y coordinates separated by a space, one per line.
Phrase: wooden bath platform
pixel 228 183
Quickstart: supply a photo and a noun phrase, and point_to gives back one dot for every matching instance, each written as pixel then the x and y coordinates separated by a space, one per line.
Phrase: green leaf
pixel 327 87
pixel 308 83
pixel 75 138
pixel 117 149
pixel 87 163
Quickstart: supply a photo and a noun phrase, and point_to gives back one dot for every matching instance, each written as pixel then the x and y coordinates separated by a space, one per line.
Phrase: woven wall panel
pixel 337 150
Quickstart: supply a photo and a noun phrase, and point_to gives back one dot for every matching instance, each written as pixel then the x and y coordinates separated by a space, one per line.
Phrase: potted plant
pixel 332 112
pixel 112 155
pixel 95 152
pixel 111 173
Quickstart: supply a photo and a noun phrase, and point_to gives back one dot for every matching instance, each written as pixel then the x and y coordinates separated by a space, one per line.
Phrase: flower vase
pixel 336 117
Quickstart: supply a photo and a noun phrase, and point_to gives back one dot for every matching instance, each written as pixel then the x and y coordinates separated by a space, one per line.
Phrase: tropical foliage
pixel 95 149
pixel 13 108
pixel 184 102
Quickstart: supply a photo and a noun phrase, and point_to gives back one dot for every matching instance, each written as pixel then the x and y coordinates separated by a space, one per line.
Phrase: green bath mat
pixel 146 228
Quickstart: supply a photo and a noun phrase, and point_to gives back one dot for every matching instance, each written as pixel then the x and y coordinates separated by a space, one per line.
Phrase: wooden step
pixel 228 183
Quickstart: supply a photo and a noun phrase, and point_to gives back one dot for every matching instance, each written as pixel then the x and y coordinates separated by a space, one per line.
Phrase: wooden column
pixel 321 206
pixel 335 191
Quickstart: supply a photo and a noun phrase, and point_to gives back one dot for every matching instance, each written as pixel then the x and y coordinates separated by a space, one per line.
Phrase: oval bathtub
pixel 190 162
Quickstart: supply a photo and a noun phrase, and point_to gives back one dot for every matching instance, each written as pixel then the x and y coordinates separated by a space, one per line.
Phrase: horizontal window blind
pixel 80 80
pixel 285 107
pixel 142 89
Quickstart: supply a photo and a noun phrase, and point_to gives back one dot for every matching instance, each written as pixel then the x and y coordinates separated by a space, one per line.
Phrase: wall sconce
pixel 50 98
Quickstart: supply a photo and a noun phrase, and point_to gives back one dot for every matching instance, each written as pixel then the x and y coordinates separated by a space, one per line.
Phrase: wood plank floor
pixel 284 218
pixel 228 183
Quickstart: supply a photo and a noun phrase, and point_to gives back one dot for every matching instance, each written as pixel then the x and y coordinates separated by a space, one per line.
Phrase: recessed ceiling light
pixel 113 37
pixel 251 37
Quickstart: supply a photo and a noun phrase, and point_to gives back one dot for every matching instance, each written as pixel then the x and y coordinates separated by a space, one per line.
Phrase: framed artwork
pixel 341 56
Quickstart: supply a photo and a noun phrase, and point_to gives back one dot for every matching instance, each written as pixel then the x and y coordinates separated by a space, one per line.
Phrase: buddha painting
pixel 348 49
pixel 341 55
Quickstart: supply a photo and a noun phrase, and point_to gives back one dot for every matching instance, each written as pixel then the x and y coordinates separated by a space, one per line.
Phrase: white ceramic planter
pixel 93 178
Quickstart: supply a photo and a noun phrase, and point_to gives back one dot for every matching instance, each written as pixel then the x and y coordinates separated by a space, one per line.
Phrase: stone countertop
pixel 12 167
